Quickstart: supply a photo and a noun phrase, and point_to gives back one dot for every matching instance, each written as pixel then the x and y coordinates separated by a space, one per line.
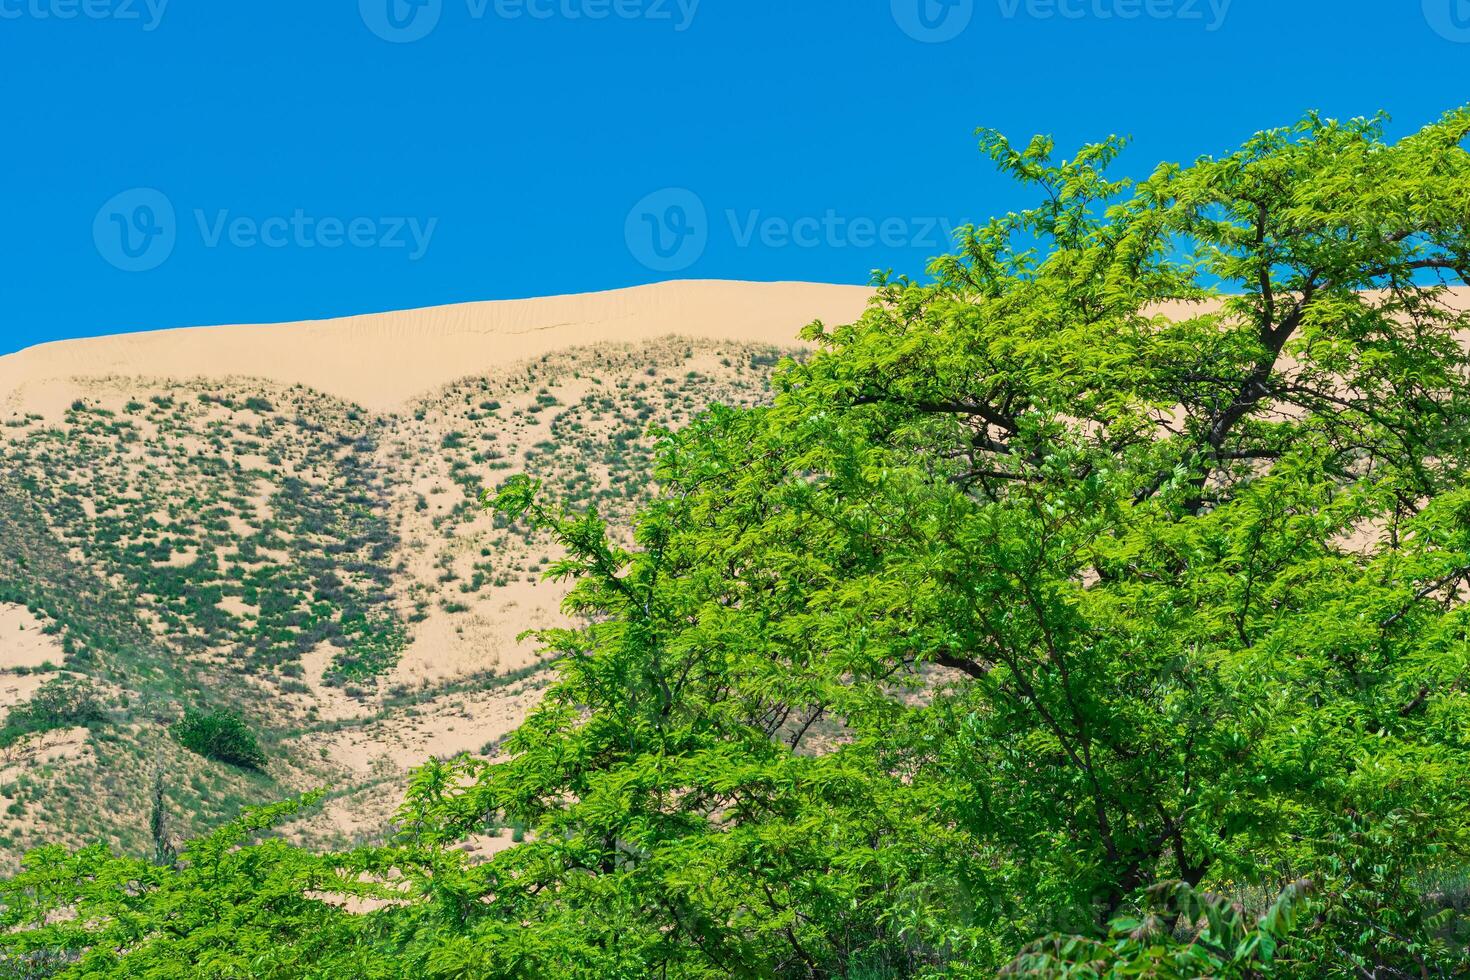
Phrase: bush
pixel 222 736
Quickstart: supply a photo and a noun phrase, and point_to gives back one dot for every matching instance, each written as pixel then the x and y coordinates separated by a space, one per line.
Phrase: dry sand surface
pixel 22 642
pixel 382 360
pixel 23 649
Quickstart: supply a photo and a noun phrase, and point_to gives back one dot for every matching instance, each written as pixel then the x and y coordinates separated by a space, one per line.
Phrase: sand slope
pixel 167 453
pixel 382 360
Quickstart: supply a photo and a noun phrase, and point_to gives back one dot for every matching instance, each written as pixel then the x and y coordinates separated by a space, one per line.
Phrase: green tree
pixel 236 905
pixel 1131 548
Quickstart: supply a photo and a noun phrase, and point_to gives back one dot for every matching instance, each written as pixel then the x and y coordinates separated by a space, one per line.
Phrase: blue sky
pixel 176 162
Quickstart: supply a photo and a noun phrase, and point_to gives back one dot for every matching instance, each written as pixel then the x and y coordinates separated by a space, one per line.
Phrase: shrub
pixel 222 736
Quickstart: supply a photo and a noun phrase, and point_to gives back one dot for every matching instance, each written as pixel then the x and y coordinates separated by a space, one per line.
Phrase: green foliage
pixel 373 645
pixel 1095 590
pixel 220 735
pixel 234 907
pixel 1182 934
pixel 1091 596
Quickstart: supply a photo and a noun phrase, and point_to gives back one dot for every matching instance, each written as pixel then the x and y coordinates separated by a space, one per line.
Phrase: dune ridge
pixel 383 360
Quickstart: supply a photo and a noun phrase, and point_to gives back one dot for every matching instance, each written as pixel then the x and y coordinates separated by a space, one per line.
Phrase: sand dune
pixel 112 483
pixel 383 360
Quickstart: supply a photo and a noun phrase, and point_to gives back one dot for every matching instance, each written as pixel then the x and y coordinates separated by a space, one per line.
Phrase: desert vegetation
pixel 260 550
pixel 1095 607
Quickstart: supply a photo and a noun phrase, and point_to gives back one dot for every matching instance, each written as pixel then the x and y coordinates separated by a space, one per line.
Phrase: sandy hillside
pixel 285 520
pixel 382 360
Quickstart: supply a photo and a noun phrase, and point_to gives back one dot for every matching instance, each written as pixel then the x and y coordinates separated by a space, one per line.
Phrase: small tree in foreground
pixel 164 851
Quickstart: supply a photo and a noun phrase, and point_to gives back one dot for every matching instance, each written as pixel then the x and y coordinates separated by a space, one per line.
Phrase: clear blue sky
pixel 321 158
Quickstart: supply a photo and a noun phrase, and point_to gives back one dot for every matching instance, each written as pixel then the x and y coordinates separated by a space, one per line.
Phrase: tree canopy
pixel 1095 606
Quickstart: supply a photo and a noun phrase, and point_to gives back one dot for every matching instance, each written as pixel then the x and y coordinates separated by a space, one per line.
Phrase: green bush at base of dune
pixel 220 735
